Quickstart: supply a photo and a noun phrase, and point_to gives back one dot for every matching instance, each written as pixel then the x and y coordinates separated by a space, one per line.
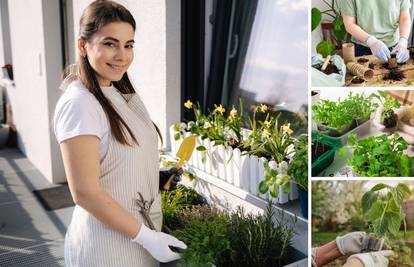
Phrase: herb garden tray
pixel 359 130
pixel 324 160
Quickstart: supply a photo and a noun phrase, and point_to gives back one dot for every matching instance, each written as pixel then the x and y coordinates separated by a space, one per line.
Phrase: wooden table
pixel 380 72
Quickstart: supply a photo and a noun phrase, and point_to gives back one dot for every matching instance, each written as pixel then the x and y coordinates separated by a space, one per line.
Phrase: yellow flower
pixel 220 109
pixel 233 113
pixel 263 108
pixel 267 123
pixel 188 104
pixel 286 129
pixel 266 133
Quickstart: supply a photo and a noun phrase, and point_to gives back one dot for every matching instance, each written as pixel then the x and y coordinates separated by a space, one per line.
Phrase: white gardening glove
pixel 350 243
pixel 405 130
pixel 156 243
pixel 401 50
pixel 373 259
pixel 378 48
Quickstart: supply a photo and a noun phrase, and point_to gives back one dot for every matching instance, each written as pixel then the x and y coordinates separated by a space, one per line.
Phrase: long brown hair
pixel 95 16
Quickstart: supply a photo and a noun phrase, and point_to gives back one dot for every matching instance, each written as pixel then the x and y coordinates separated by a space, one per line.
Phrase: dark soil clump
pixel 362 60
pixel 318 149
pixel 394 75
pixel 371 65
pixel 390 119
pixel 330 69
pixel 357 80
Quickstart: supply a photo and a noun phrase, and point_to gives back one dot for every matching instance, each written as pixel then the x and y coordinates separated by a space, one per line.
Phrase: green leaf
pixel 376 211
pixel 339 30
pixel 263 187
pixel 406 166
pixel 325 48
pixel 316 17
pixel 274 190
pixel 378 187
pixel 176 136
pixel 368 200
pixel 342 152
pixel 394 222
pixel 201 148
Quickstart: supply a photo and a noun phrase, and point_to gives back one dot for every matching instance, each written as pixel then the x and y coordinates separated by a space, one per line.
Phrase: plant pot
pixel 293 194
pixel 332 131
pixel 324 160
pixel 315 96
pixel 283 196
pixel 221 162
pixel 4 134
pixel 303 198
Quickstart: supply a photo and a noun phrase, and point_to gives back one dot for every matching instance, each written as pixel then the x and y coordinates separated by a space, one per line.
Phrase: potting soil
pixel 318 150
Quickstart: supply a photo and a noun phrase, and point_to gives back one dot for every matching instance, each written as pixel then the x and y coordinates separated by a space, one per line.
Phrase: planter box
pixel 228 164
pixel 359 130
pixel 324 160
pixel 357 126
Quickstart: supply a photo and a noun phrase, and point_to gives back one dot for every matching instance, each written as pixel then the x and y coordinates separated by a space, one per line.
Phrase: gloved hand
pixel 401 50
pixel 373 259
pixel 165 175
pixel 350 243
pixel 157 244
pixel 378 48
pixel 405 125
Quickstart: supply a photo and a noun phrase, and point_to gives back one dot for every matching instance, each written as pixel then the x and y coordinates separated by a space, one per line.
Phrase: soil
pixel 386 65
pixel 357 80
pixel 233 143
pixel 394 75
pixel 390 119
pixel 330 69
pixel 362 60
pixel 371 65
pixel 265 155
pixel 318 149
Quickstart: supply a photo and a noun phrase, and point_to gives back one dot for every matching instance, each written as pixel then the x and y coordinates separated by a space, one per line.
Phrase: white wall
pixel 156 70
pixel 34 29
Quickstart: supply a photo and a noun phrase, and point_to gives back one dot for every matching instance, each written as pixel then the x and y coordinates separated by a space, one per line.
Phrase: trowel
pixel 184 153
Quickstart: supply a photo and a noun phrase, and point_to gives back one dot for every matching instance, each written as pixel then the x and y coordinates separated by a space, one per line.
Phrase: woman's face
pixel 110 51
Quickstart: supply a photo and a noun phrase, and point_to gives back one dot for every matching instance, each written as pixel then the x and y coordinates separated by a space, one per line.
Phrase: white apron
pixel 125 171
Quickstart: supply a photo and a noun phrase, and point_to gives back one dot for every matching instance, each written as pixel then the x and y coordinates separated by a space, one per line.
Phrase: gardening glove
pixel 373 259
pixel 157 244
pixel 378 48
pixel 165 175
pixel 401 50
pixel 350 243
pixel 404 129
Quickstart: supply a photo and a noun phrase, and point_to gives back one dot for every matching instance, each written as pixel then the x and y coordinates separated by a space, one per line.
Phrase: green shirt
pixel 379 18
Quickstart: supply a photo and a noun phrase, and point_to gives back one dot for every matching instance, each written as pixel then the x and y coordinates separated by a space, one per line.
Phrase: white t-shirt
pixel 78 112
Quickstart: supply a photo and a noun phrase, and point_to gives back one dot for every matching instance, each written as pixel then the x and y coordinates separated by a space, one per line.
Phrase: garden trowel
pixel 184 154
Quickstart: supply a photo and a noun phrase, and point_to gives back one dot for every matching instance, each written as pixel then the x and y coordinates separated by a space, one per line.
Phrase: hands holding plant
pixel 400 120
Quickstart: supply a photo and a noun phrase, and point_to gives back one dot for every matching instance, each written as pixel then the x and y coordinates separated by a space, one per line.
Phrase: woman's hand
pixel 165 175
pixel 371 259
pixel 350 243
pixel 158 244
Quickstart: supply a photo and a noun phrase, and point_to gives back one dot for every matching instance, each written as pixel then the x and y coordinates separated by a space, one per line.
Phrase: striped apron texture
pixel 125 171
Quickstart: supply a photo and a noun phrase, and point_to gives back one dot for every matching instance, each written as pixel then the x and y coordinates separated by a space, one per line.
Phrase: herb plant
pixel 298 167
pixel 342 113
pixel 388 118
pixel 379 156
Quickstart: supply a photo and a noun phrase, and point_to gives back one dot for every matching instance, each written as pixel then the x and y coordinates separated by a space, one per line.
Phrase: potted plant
pixel 339 33
pixel 337 118
pixel 298 171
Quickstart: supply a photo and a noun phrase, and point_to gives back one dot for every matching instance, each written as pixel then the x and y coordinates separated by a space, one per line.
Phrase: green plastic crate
pixel 326 158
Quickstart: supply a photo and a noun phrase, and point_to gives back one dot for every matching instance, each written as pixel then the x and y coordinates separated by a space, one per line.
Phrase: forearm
pixel 357 32
pixel 405 23
pixel 327 253
pixel 103 207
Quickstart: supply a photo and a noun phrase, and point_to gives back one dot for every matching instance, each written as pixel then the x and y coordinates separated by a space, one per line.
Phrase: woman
pixel 109 147
pixel 378 26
